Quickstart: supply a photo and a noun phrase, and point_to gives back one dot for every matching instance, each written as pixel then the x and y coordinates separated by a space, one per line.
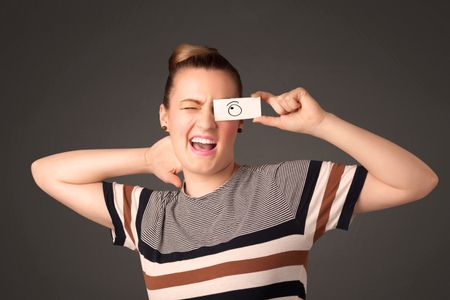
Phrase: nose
pixel 206 119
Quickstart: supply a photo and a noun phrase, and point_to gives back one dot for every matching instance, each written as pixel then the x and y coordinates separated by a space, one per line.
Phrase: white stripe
pixel 231 283
pixel 113 234
pixel 294 242
pixel 135 193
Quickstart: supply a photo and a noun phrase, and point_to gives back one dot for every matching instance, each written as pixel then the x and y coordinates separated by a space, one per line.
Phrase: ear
pixel 163 118
pixel 241 123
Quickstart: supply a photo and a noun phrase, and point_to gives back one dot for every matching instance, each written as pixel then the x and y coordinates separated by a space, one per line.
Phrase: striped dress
pixel 248 239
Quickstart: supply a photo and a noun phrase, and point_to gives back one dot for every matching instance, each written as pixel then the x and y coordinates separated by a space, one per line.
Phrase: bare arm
pixel 74 177
pixel 395 175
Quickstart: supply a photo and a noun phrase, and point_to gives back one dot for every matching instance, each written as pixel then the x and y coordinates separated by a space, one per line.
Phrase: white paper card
pixel 237 108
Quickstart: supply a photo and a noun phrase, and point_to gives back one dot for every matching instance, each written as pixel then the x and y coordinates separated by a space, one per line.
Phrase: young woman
pixel 230 231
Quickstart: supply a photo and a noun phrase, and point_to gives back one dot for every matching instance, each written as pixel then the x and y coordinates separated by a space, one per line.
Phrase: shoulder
pixel 164 196
pixel 146 196
pixel 273 168
pixel 274 172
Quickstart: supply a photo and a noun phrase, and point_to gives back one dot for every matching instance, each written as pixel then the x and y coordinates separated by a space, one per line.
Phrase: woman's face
pixel 202 145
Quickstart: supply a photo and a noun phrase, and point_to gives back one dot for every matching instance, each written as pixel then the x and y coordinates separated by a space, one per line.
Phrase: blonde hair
pixel 198 56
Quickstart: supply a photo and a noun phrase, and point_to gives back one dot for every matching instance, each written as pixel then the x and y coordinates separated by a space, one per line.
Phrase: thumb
pixel 173 179
pixel 268 120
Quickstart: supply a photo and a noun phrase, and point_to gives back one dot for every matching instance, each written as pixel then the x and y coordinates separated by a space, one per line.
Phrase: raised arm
pixel 74 178
pixel 395 176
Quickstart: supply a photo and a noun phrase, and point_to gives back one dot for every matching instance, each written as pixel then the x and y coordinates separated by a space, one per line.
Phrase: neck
pixel 197 185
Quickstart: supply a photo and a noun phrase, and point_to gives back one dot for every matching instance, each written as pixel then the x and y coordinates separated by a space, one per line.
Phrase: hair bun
pixel 198 56
pixel 185 51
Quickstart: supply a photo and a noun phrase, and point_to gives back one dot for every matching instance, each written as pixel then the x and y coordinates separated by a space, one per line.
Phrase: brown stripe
pixel 128 189
pixel 328 197
pixel 288 258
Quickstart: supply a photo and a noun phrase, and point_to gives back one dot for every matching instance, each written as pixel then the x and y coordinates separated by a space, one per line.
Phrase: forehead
pixel 202 84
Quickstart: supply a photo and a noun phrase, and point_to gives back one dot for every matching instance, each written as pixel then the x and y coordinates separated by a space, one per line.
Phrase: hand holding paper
pixel 298 111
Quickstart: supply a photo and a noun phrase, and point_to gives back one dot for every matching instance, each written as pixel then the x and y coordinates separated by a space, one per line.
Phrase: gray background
pixel 91 74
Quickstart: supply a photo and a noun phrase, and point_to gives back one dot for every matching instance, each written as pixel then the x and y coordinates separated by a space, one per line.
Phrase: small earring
pixel 164 127
pixel 239 130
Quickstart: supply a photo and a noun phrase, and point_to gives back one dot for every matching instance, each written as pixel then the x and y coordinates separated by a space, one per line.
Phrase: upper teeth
pixel 202 141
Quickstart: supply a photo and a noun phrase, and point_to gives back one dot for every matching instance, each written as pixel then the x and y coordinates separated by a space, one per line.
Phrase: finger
pixel 272 100
pixel 277 107
pixel 287 102
pixel 173 179
pixel 268 120
pixel 290 104
pixel 264 95
pixel 177 169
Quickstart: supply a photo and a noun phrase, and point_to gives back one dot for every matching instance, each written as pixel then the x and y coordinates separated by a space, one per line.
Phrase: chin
pixel 205 168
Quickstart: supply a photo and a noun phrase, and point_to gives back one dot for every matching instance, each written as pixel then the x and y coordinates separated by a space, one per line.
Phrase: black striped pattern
pixel 248 239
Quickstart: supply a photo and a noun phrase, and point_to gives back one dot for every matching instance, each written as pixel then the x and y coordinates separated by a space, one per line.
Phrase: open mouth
pixel 202 144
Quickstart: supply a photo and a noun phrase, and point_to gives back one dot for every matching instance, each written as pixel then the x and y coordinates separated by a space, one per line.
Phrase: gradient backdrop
pixel 91 74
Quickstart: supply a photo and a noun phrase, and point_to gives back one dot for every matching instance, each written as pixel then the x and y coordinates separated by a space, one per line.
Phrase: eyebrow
pixel 192 100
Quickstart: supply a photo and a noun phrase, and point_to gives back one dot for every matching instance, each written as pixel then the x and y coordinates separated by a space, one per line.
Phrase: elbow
pixel 34 166
pixel 431 183
pixel 434 182
pixel 36 172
